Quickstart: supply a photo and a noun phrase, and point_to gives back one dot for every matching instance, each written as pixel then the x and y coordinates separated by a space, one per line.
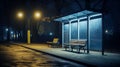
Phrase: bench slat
pixel 76 44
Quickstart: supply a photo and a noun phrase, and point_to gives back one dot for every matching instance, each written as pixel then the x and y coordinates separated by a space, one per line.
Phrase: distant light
pixel 37 15
pixel 11 32
pixel 17 35
pixel 6 29
pixel 20 15
pixel 14 36
pixel 106 31
pixel 51 33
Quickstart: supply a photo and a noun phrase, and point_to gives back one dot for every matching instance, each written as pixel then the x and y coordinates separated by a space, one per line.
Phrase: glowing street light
pixel 20 15
pixel 37 16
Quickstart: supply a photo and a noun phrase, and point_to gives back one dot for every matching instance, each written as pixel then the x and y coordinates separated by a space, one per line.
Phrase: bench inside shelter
pixel 76 44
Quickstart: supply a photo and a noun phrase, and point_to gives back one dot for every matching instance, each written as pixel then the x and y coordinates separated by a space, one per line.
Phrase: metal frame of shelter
pixel 77 17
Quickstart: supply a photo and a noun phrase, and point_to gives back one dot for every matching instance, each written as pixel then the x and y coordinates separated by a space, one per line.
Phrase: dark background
pixel 58 8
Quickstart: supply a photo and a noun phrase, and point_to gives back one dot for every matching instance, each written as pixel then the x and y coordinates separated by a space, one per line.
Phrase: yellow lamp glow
pixel 37 15
pixel 20 15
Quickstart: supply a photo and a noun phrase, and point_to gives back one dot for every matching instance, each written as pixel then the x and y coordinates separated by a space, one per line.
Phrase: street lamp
pixel 20 15
pixel 37 16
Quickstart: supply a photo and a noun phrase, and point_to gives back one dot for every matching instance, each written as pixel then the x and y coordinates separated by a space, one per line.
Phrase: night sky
pixel 57 7
pixel 53 8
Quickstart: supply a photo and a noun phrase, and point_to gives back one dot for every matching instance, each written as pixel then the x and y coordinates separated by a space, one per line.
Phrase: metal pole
pixel 69 31
pixel 88 34
pixel 62 35
pixel 103 25
pixel 103 40
pixel 78 28
pixel 28 33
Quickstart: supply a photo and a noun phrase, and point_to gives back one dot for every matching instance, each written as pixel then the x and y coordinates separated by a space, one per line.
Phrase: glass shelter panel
pixel 96 34
pixel 83 30
pixel 74 30
pixel 66 33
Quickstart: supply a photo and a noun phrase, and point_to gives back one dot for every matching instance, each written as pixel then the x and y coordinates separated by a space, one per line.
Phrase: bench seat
pixel 55 43
pixel 75 44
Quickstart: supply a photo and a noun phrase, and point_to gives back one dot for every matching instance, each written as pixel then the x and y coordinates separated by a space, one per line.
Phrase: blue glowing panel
pixel 83 30
pixel 66 33
pixel 74 31
pixel 96 34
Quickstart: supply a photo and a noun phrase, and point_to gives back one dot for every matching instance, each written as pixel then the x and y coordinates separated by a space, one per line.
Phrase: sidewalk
pixel 92 59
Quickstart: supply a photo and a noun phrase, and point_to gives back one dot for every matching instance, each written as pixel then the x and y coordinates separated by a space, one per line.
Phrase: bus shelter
pixel 83 25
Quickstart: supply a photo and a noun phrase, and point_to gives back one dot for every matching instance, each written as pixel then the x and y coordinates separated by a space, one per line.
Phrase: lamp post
pixel 37 16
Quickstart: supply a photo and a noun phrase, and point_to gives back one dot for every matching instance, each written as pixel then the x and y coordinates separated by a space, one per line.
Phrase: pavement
pixel 18 56
pixel 94 58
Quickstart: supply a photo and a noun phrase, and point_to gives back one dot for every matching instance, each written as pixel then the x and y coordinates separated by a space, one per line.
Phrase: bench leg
pixel 71 49
pixel 65 48
pixel 51 46
pixel 84 50
pixel 78 50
